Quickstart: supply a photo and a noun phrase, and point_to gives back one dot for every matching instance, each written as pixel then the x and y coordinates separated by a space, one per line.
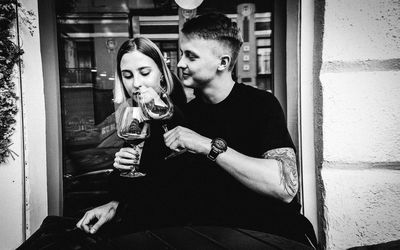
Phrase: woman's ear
pixel 225 61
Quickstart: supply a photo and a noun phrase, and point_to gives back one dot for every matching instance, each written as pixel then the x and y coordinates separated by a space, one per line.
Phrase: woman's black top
pixel 137 195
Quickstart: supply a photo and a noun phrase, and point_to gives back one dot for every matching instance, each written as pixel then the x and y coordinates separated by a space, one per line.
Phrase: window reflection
pixel 87 50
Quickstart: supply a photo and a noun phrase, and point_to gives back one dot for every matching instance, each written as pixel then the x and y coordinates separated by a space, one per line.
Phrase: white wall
pixel 306 112
pixel 34 125
pixel 12 212
pixel 23 180
pixel 360 90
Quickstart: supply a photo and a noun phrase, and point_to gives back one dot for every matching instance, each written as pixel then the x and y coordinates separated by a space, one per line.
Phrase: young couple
pixel 240 169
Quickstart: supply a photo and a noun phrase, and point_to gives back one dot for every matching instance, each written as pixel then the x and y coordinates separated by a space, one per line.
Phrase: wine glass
pixel 157 105
pixel 134 130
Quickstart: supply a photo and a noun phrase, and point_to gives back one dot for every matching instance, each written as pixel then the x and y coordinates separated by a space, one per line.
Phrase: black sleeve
pixel 159 171
pixel 274 132
pixel 120 188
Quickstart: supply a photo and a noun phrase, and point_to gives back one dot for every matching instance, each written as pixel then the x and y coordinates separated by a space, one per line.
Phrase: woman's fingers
pixel 105 217
pixel 84 223
pixel 126 152
pixel 122 167
pixel 102 214
pixel 79 223
pixel 126 158
pixel 98 224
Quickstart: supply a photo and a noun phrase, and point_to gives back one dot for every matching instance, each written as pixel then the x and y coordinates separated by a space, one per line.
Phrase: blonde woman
pixel 143 202
pixel 140 65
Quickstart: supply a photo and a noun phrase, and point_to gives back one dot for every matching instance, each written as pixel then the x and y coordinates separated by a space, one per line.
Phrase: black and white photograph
pixel 199 124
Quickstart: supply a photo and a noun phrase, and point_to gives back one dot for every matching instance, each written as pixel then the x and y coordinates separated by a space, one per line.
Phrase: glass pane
pixel 88 46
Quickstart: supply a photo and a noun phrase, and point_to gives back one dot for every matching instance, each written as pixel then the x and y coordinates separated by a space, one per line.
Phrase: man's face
pixel 199 61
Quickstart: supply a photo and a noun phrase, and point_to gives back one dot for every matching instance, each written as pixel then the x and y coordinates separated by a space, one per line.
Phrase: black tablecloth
pixel 59 233
pixel 204 237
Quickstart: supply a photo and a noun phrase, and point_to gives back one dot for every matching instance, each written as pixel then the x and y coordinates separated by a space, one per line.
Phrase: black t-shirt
pixel 191 189
pixel 252 122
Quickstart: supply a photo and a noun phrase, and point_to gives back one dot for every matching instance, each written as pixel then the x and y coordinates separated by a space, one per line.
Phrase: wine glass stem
pixel 165 127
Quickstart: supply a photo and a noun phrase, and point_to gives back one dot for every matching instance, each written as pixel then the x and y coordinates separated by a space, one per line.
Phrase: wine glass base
pixel 132 174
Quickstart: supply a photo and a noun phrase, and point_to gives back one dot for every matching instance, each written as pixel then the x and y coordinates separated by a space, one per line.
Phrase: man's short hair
pixel 215 26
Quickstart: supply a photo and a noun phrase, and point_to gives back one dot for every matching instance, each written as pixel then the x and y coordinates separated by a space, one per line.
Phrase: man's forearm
pixel 286 159
pixel 270 175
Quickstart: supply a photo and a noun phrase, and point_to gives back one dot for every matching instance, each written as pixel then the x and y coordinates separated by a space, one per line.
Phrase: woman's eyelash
pixel 127 75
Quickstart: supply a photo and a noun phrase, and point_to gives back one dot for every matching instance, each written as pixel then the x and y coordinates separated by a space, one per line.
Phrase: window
pixel 88 45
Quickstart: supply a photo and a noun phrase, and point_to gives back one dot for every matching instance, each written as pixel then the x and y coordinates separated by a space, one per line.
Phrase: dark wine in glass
pixel 134 130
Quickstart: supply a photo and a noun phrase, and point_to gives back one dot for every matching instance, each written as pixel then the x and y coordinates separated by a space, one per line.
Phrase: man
pixel 244 173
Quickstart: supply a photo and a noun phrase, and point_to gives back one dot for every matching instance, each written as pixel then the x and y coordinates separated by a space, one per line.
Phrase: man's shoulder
pixel 255 94
pixel 243 92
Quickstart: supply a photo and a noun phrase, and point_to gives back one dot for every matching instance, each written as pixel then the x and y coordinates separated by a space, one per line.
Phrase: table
pixel 205 238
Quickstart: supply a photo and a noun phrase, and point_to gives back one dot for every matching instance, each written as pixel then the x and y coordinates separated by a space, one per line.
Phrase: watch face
pixel 220 144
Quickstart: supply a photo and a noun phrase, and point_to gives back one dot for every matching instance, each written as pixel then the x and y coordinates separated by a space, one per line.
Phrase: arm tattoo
pixel 286 159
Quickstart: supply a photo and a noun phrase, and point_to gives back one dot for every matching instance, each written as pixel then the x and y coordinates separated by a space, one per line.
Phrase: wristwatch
pixel 218 146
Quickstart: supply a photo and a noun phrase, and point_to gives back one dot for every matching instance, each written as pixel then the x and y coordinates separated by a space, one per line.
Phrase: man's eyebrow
pixel 189 52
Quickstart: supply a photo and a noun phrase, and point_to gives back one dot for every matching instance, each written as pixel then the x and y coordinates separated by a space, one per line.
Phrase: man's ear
pixel 225 61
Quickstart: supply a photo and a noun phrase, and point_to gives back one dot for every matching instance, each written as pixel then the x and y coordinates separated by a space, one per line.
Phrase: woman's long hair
pixel 150 49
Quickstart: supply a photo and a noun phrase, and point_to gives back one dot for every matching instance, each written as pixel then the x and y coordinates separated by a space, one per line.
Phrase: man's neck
pixel 217 90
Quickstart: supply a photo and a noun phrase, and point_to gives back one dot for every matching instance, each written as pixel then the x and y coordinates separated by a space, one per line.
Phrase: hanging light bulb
pixel 188 4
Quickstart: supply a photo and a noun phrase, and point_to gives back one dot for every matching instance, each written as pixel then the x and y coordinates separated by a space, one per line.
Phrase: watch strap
pixel 218 146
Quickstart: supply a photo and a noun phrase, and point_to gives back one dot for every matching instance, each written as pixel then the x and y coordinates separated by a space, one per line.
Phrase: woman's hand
pixel 102 214
pixel 125 158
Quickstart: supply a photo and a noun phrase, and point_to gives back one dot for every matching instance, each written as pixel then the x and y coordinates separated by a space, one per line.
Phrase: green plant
pixel 10 56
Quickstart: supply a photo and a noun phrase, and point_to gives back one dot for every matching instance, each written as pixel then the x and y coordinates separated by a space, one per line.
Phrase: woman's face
pixel 139 70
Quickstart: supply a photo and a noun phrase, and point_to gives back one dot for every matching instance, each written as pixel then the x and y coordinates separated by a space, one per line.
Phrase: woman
pixel 140 68
pixel 141 202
